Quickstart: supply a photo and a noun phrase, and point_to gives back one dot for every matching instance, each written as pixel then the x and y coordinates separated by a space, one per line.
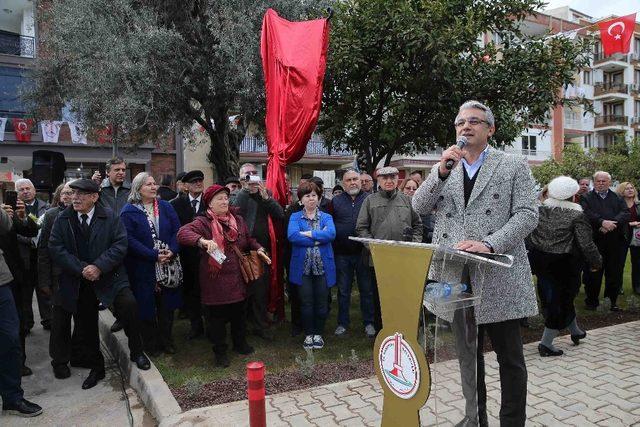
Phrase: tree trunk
pixel 224 152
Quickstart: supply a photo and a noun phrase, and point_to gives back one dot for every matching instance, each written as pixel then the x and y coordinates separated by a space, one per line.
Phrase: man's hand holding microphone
pixel 451 156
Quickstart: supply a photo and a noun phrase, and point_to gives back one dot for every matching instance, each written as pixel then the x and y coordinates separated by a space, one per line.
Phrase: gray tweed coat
pixel 502 211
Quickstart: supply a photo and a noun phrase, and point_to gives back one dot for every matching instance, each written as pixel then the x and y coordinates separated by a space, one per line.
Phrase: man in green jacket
pixel 387 215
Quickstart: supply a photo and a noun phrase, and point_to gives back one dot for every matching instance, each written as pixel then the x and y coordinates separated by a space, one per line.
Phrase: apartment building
pixel 19 32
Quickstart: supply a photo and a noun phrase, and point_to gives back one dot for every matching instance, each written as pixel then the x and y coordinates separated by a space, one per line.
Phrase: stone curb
pixel 149 385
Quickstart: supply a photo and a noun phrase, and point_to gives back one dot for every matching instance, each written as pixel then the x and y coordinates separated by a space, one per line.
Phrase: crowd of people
pixel 145 251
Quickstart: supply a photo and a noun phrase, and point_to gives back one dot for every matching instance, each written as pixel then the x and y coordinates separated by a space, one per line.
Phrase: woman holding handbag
pixel 312 266
pixel 629 194
pixel 151 262
pixel 223 238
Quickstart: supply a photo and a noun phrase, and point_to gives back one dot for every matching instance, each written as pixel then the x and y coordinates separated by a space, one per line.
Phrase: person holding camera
pixel 152 226
pixel 256 206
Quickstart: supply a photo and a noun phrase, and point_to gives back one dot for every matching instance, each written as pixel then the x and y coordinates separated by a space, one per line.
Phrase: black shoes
pixel 61 372
pixel 616 309
pixel 222 360
pixel 142 362
pixel 22 408
pixel 46 325
pixel 93 378
pixel 244 349
pixel 117 326
pixel 576 338
pixel 546 351
pixel 26 371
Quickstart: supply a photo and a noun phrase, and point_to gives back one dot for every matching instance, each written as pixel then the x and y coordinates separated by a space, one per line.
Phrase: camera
pixel 253 178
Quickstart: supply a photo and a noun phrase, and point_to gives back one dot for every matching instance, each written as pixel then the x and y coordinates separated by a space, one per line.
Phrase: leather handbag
pixel 251 265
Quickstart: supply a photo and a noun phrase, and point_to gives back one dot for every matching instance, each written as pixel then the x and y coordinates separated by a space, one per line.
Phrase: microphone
pixel 460 143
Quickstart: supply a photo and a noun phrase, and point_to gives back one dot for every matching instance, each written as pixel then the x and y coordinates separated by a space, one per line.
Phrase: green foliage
pixel 621 160
pixel 398 71
pixel 145 66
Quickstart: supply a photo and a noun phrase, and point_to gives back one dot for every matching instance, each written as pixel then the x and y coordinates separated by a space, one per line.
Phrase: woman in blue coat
pixel 312 265
pixel 156 304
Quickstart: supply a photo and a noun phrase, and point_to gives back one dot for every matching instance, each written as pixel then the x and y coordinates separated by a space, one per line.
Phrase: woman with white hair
pixel 152 226
pixel 559 246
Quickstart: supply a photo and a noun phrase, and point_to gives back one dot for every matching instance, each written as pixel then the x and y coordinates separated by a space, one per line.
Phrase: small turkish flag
pixel 22 129
pixel 616 34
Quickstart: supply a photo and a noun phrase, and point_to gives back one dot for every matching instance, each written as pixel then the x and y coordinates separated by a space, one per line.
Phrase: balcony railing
pixel 601 88
pixel 634 57
pixel 635 121
pixel 600 57
pixel 611 120
pixel 16 44
pixel 635 88
pixel 315 147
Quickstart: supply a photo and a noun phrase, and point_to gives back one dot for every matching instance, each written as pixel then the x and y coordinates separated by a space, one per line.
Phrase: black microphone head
pixel 461 141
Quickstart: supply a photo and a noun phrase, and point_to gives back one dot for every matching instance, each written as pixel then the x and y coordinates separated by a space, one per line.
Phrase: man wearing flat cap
pixel 187 206
pixel 387 215
pixel 88 243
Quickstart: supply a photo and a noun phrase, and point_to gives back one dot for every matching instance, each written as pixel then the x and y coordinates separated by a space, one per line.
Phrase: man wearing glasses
pixel 88 244
pixel 486 203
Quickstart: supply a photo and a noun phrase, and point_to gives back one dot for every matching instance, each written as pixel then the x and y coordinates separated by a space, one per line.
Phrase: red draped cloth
pixel 294 56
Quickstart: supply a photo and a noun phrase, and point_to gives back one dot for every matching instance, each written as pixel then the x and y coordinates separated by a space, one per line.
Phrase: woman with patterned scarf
pixel 222 288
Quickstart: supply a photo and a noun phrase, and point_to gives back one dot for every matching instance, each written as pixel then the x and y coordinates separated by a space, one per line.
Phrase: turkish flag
pixel 294 57
pixel 22 129
pixel 616 34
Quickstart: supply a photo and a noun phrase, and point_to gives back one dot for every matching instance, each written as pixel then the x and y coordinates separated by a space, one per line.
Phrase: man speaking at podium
pixel 485 202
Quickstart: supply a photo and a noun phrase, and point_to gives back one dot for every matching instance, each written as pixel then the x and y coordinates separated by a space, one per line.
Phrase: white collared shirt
pixel 472 169
pixel 89 214
pixel 199 199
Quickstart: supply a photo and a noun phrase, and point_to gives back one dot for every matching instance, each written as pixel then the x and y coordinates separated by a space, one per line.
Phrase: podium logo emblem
pixel 399 366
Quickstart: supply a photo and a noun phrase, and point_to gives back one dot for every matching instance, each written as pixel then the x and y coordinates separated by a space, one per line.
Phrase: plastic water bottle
pixel 438 290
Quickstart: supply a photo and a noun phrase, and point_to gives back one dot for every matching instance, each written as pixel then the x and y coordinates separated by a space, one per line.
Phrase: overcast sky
pixel 599 8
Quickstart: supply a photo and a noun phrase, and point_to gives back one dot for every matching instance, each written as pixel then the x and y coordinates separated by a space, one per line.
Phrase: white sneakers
pixel 340 330
pixel 370 331
pixel 313 342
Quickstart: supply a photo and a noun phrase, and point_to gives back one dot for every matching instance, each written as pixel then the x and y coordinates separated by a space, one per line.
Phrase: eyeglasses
pixel 473 121
pixel 366 180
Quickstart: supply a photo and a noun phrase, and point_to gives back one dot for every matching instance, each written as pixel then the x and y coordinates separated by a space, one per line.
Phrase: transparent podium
pixel 437 324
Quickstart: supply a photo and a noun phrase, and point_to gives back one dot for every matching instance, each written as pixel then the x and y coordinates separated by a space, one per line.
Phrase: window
pixel 529 144
pixel 588 141
pixel 586 77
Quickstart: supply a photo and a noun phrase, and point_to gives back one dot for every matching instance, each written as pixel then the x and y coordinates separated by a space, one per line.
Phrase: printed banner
pixel 51 130
pixel 78 134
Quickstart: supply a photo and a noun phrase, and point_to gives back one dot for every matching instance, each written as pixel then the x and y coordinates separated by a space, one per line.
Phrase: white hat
pixel 562 188
pixel 387 170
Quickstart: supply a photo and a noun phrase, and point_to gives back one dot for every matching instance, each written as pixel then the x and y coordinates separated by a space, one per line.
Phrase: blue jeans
pixel 346 265
pixel 10 349
pixel 314 295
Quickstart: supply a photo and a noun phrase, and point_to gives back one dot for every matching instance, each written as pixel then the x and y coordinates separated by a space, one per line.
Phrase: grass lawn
pixel 194 359
pixel 193 362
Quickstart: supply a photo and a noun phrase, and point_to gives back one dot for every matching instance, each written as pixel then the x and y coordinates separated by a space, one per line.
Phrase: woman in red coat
pixel 222 289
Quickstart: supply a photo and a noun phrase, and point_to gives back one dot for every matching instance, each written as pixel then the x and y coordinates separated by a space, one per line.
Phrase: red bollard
pixel 255 393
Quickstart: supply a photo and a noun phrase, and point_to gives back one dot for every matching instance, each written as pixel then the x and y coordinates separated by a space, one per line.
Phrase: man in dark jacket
pixel 13 400
pixel 256 206
pixel 187 206
pixel 349 256
pixel 88 243
pixel 26 227
pixel 607 213
pixel 35 208
pixel 113 192
pixel 164 191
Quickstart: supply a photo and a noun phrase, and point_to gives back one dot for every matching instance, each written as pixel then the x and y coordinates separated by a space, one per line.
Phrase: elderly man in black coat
pixel 88 243
pixel 608 214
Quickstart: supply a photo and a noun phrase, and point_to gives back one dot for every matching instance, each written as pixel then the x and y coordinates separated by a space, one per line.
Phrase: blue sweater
pixel 321 237
pixel 345 215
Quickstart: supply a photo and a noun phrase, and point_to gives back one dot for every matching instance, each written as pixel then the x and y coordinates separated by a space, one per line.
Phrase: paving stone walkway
pixel 594 384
